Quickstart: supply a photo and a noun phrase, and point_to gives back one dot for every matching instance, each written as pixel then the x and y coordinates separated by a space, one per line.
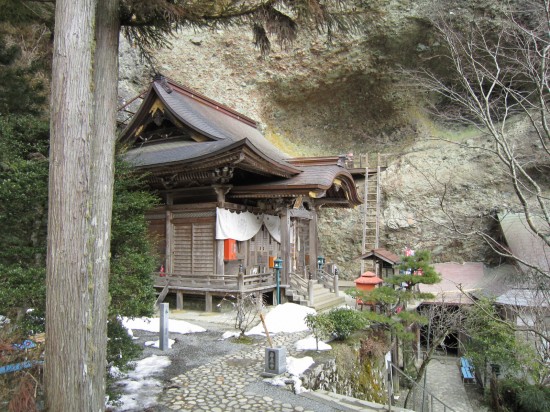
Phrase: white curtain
pixel 244 225
pixel 273 225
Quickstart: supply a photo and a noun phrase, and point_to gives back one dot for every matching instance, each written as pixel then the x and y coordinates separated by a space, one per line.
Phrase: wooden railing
pixel 370 160
pixel 328 280
pixel 240 282
pixel 298 283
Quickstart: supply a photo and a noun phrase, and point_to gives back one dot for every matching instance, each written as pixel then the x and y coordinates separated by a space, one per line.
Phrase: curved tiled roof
pixel 321 178
pixel 209 118
pixel 172 152
pixel 217 131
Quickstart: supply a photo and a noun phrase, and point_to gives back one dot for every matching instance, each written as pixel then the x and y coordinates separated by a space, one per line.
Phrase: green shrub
pixel 321 326
pixel 120 347
pixel 521 397
pixel 345 322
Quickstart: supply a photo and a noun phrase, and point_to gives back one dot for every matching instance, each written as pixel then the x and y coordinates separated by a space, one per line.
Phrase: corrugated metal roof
pixel 469 276
pixel 523 242
pixel 525 297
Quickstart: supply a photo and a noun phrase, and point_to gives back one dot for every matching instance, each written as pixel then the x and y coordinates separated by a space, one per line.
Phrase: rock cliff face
pixel 316 97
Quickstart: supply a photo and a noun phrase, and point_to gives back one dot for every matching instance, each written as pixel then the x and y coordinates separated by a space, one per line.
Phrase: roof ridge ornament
pixel 342 160
pixel 163 82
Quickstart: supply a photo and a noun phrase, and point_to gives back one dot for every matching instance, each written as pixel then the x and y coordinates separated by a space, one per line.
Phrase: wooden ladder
pixel 371 208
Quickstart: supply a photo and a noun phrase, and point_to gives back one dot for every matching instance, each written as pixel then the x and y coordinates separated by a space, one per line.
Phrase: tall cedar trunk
pixel 80 202
pixel 70 280
pixel 101 185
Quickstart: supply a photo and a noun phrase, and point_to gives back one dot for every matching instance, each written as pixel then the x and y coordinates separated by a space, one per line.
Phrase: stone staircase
pixel 323 298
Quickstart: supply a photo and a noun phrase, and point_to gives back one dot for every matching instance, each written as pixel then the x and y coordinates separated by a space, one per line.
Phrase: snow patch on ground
pixel 285 318
pixel 229 334
pixel 153 325
pixel 139 387
pixel 156 343
pixel 297 366
pixel 294 367
pixel 310 343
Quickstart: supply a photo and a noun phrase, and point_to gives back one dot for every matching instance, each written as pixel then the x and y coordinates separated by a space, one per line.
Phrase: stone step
pixel 322 295
pixel 327 303
pixel 347 403
pixel 323 298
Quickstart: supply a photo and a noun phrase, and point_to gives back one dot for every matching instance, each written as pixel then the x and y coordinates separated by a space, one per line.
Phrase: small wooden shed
pixel 384 262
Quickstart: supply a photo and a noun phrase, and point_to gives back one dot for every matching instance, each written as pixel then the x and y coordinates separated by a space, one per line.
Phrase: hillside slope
pixel 350 95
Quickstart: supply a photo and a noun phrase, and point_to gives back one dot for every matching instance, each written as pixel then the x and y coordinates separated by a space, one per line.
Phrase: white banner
pixel 243 226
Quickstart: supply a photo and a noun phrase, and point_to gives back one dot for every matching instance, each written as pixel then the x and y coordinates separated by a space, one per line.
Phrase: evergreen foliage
pixel 20 90
pixel 345 322
pixel 321 326
pixel 23 217
pixel 518 395
pixel 337 324
pixel 25 12
pixel 493 340
pixel 132 253
pixel 400 289
pixel 149 24
pixel 495 344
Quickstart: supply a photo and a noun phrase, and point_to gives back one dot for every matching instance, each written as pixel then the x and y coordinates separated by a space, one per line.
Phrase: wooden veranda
pixel 213 285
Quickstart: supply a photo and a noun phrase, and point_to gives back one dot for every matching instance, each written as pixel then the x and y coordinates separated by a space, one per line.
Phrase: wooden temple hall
pixel 232 202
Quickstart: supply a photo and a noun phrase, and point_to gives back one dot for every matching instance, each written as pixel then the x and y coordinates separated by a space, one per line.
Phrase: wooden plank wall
pixel 194 246
pixel 261 247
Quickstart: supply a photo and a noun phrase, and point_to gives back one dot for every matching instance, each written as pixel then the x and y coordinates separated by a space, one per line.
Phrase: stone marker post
pixel 275 361
pixel 164 342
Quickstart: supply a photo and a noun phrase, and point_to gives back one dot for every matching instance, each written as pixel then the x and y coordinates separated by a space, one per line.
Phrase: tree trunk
pixel 70 281
pixel 105 82
pixel 83 122
pixel 424 365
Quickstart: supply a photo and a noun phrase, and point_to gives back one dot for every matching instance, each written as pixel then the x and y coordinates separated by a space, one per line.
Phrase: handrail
pixel 301 284
pixel 326 278
pixel 431 397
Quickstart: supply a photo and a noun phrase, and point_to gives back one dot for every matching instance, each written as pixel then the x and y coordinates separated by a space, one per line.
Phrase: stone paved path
pixel 445 382
pixel 233 383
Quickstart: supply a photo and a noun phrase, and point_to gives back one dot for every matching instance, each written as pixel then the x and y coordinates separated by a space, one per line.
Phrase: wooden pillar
pixel 221 191
pixel 179 300
pixel 169 235
pixel 285 247
pixel 313 244
pixel 220 267
pixel 240 282
pixel 208 302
